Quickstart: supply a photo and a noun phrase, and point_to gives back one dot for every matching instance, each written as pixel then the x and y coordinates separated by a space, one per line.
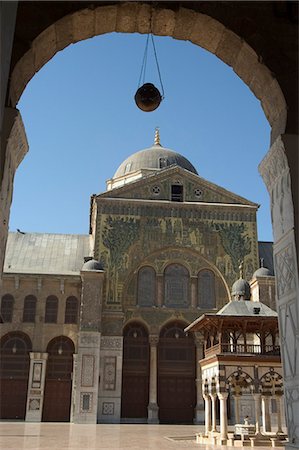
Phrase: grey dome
pixel 91 265
pixel 262 272
pixel 155 157
pixel 241 288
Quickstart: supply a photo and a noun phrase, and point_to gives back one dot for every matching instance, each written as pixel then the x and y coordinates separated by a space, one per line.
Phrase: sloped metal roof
pixel 43 253
pixel 246 308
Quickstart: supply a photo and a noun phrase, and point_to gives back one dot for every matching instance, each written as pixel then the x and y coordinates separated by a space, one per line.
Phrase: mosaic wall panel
pixel 87 373
pixel 109 373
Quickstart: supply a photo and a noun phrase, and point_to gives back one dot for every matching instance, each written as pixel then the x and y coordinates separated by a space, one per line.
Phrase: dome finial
pixel 157 136
pixel 241 268
pixel 262 262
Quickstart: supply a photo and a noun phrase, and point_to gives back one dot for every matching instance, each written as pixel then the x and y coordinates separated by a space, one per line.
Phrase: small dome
pixel 262 272
pixel 155 157
pixel 91 265
pixel 241 289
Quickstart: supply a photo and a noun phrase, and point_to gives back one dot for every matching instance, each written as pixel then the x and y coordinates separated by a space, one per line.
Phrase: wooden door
pixel 58 385
pixel 14 372
pixel 135 378
pixel 176 376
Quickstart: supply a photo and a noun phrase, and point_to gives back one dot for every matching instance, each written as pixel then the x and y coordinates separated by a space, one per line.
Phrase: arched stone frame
pixel 176 372
pixel 58 382
pixel 135 370
pixel 202 30
pixel 176 286
pixel 146 288
pixel 14 373
pixel 51 309
pixel 239 384
pixel 206 290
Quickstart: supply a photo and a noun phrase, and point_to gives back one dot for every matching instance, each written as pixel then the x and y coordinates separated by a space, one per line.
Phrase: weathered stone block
pixel 163 22
pixel 25 68
pixel 261 80
pixel 64 32
pixel 83 24
pixel 143 24
pixel 185 20
pixel 44 47
pixel 229 47
pixel 273 101
pixel 126 17
pixel 207 32
pixel 245 63
pixel 105 19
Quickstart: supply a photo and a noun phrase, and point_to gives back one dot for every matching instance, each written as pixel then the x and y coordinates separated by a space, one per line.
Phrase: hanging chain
pixel 144 62
pixel 158 68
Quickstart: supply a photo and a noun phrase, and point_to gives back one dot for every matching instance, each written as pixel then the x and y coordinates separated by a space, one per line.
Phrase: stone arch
pixel 181 24
pixel 238 382
pixel 271 383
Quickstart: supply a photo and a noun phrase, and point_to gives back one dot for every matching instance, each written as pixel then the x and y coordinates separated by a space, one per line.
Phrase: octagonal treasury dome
pixel 155 157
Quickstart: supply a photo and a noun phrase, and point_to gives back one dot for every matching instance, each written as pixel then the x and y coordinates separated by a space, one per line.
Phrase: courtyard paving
pixel 66 436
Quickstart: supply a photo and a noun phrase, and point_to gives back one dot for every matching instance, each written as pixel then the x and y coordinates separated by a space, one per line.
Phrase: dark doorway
pixel 14 373
pixel 58 386
pixel 176 375
pixel 135 378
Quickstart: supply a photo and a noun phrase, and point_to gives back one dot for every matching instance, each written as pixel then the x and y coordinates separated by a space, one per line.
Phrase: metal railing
pixel 252 349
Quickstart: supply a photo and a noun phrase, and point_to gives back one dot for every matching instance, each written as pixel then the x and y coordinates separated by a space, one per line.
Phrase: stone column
pixel 160 289
pixel 213 399
pixel 223 417
pixel 237 408
pixel 199 409
pixel 207 400
pixel 266 418
pixel 85 396
pixel 278 406
pixel 279 170
pixel 257 410
pixel 153 408
pixel 36 386
pixel 193 292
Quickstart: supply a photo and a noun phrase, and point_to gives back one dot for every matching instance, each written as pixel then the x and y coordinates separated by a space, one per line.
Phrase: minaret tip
pixel 241 268
pixel 157 136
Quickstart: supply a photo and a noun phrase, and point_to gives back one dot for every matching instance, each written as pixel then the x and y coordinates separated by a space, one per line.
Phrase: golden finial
pixel 241 268
pixel 157 136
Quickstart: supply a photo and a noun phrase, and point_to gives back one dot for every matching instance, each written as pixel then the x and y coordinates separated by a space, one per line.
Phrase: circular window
pixel 156 190
pixel 198 192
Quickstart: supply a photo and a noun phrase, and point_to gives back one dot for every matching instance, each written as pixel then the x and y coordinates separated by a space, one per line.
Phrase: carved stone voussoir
pixel 17 145
pixel 274 163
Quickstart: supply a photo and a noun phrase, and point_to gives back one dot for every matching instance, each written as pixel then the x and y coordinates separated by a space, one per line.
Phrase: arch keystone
pixel 126 17
pixel 143 24
pixel 163 22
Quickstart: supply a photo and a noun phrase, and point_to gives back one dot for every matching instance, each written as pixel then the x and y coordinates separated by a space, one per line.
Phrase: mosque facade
pixel 94 325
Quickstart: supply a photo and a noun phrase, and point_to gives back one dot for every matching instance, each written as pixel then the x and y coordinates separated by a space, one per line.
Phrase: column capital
pixel 153 340
pixel 222 395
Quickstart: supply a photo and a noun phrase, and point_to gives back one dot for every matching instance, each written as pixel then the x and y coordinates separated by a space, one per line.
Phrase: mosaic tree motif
pixel 234 240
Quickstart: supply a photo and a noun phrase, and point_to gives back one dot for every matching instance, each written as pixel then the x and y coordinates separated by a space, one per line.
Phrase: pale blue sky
pixel 82 122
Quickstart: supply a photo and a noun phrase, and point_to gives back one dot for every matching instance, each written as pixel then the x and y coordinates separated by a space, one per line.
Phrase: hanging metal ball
pixel 148 97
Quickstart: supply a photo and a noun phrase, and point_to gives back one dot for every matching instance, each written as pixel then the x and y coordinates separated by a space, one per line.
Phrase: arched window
pixel 51 309
pixel 176 279
pixel 29 309
pixel 71 310
pixel 206 289
pixel 7 303
pixel 146 286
